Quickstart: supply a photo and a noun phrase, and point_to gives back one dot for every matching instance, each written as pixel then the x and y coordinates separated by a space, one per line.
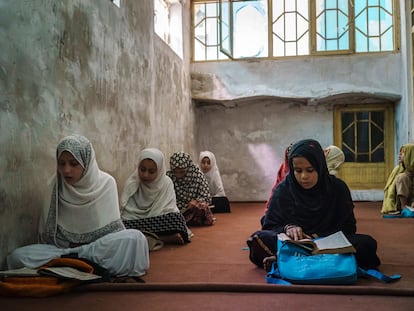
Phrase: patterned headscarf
pixel 83 212
pixel 193 185
pixel 140 200
pixel 213 175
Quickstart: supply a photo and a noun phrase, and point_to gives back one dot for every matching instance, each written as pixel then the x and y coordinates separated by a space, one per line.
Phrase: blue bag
pixel 406 212
pixel 298 266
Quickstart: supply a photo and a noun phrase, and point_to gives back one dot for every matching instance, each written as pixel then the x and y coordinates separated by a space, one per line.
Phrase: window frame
pixel 229 52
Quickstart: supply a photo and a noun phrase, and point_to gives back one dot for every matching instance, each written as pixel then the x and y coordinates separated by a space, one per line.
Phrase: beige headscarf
pixel 334 158
pixel 83 212
pixel 390 202
pixel 139 200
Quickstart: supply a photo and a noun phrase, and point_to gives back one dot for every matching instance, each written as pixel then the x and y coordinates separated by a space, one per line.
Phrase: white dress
pixel 86 214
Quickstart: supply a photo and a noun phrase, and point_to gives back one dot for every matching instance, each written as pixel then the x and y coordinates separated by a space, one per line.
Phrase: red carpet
pixel 213 272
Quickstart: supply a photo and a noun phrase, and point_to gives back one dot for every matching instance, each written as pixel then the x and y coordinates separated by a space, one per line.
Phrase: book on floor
pixel 19 272
pixel 331 244
pixel 69 273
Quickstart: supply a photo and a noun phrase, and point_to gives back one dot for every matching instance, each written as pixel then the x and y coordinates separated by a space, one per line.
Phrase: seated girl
pixel 82 218
pixel 191 190
pixel 310 202
pixel 399 189
pixel 208 165
pixel 334 158
pixel 148 202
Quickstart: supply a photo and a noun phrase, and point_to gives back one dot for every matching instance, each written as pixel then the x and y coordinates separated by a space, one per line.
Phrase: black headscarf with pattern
pixel 193 185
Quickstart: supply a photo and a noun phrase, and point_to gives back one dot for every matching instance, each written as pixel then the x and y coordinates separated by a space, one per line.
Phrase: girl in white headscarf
pixel 208 165
pixel 83 218
pixel 334 158
pixel 148 201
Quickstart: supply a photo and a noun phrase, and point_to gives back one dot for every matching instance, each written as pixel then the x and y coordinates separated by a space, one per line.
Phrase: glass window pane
pixel 373 19
pixel 211 53
pixel 250 28
pixel 332 25
pixel 211 9
pixel 199 13
pixel 290 27
pixel 386 41
pixel 374 45
pixel 225 37
pixel 198 51
pixel 378 156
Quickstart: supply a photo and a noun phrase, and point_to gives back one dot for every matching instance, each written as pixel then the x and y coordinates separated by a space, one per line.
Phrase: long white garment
pixel 213 176
pixel 87 214
pixel 122 253
pixel 141 200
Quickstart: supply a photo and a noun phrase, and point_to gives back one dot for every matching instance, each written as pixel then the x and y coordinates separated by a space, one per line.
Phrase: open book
pixel 69 273
pixel 60 272
pixel 331 244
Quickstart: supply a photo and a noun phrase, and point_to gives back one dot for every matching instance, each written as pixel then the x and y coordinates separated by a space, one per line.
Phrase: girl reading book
pixel 310 203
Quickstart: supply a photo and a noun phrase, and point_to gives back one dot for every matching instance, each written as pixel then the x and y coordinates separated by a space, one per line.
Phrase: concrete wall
pixel 249 140
pixel 248 112
pixel 84 67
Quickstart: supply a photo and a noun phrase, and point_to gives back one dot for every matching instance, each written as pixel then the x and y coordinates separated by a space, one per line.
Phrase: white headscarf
pixel 87 210
pixel 140 200
pixel 213 175
pixel 334 158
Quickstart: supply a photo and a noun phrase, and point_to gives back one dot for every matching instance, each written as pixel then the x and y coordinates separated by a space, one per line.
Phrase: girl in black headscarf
pixel 310 202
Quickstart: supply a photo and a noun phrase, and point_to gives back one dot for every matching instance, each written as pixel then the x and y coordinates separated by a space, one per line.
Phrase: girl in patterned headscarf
pixel 148 201
pixel 83 218
pixel 191 190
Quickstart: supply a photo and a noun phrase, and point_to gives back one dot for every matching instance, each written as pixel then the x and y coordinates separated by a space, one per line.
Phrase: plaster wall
pixel 249 140
pixel 84 67
pixel 249 111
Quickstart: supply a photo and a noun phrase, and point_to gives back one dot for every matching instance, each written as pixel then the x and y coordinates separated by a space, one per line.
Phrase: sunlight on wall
pixel 168 24
pixel 267 160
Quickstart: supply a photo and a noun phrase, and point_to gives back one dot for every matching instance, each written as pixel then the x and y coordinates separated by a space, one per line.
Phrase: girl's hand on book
pixel 296 233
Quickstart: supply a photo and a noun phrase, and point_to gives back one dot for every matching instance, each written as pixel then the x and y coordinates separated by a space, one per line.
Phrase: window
pixel 239 29
pixel 206 31
pixel 117 3
pixel 332 22
pixel 365 133
pixel 363 136
pixel 168 23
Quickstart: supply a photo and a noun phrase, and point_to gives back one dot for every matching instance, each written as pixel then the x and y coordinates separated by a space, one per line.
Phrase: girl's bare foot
pixel 267 262
pixel 174 238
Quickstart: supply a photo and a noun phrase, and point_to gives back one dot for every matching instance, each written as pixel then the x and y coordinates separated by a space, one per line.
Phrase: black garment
pixel 221 205
pixel 322 210
pixel 163 224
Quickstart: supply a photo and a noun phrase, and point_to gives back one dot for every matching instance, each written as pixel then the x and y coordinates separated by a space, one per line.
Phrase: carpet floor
pixel 213 272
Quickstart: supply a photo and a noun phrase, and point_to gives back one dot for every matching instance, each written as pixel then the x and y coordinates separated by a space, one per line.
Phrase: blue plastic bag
pixel 296 265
